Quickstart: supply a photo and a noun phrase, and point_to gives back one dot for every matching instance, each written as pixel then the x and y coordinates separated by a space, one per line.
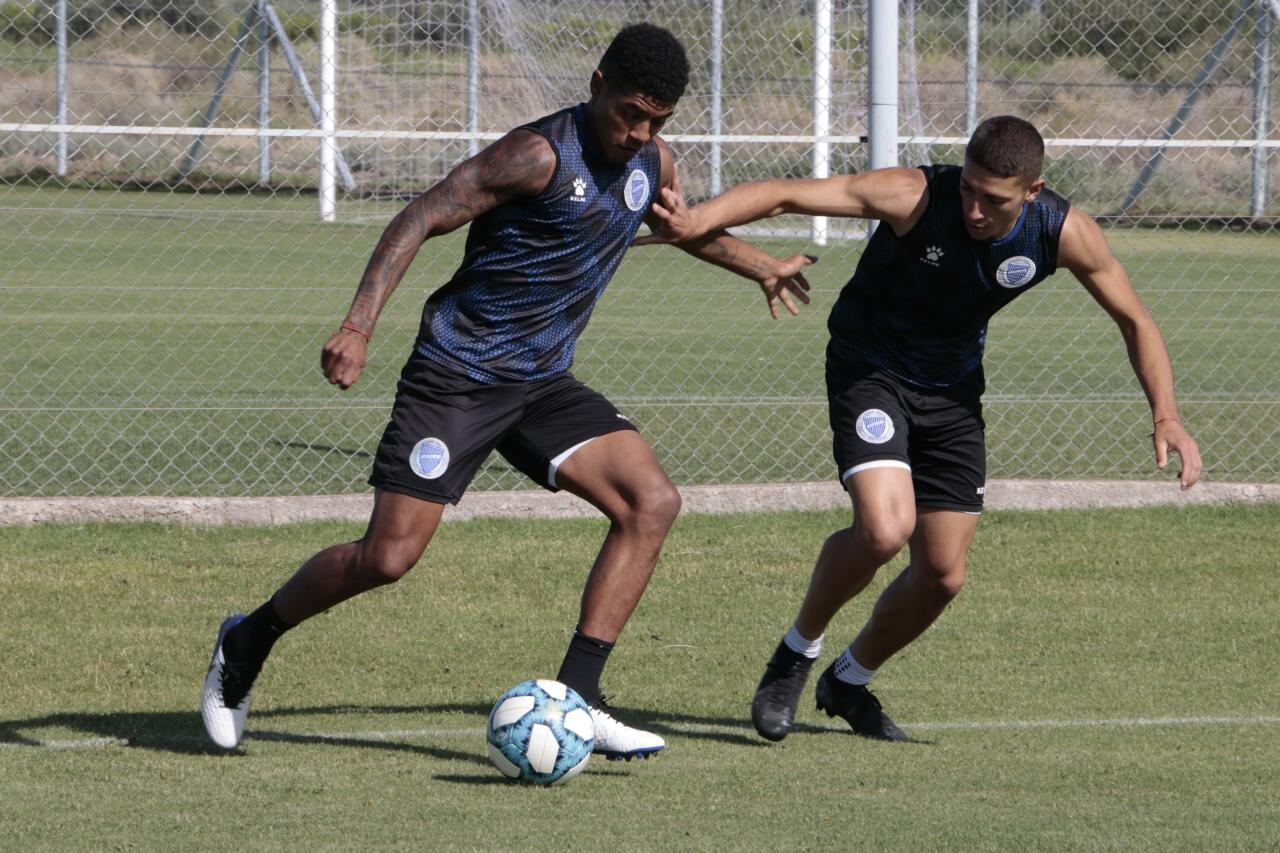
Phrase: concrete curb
pixel 1001 494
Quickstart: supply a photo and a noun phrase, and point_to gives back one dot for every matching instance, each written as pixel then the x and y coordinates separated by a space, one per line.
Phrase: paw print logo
pixel 933 254
pixel 579 189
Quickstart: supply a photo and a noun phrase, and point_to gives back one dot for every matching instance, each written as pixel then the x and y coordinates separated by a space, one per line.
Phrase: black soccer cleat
pixel 773 710
pixel 857 706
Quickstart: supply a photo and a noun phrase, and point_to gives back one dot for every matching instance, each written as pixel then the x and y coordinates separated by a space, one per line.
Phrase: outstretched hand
pixel 785 280
pixel 343 358
pixel 676 221
pixel 1170 435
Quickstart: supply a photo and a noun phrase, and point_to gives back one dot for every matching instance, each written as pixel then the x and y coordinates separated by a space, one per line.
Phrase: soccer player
pixel 553 206
pixel 904 383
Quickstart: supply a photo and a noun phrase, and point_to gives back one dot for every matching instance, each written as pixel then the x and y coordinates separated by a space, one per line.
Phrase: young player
pixel 904 383
pixel 553 206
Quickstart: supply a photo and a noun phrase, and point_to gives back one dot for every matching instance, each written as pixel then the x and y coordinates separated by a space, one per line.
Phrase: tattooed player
pixel 553 206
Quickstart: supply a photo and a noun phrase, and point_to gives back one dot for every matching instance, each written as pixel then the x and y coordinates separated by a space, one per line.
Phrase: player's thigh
pixel 619 474
pixel 884 504
pixel 442 428
pixel 562 420
pixel 940 543
pixel 400 528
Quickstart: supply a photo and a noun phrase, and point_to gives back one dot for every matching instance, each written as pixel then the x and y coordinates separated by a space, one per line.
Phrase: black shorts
pixel 938 435
pixel 444 425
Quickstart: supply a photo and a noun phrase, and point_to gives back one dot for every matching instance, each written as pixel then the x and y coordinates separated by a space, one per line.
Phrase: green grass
pixel 1069 616
pixel 168 344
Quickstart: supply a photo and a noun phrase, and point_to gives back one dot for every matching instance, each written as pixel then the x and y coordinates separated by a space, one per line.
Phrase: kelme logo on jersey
pixel 933 256
pixel 579 190
pixel 1016 271
pixel 429 458
pixel 874 426
pixel 636 192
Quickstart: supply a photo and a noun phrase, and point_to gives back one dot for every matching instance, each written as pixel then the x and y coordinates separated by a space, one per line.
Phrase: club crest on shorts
pixel 874 426
pixel 429 458
pixel 1015 271
pixel 636 191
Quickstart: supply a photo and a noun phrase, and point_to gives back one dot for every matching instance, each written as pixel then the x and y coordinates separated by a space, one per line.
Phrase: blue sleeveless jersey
pixel 917 306
pixel 535 265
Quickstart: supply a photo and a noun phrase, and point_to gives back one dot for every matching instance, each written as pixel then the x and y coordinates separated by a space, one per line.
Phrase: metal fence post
pixel 1261 107
pixel 328 110
pixel 882 36
pixel 821 104
pixel 717 72
pixel 971 69
pixel 60 72
pixel 264 96
pixel 473 75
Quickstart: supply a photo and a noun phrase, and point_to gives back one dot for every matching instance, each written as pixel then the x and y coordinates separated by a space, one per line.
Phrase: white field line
pixel 376 736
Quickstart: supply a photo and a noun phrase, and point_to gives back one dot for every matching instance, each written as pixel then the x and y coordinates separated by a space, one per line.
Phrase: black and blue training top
pixel 535 265
pixel 918 304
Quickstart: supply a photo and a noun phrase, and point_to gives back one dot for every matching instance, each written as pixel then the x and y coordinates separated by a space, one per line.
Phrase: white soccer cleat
pixel 223 721
pixel 616 741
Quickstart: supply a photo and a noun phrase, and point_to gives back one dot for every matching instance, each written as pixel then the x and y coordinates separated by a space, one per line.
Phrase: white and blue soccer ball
pixel 541 732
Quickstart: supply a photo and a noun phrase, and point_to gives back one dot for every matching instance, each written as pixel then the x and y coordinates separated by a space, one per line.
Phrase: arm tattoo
pixel 724 250
pixel 512 166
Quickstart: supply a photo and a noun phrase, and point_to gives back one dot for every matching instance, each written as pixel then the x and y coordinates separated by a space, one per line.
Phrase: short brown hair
pixel 1007 146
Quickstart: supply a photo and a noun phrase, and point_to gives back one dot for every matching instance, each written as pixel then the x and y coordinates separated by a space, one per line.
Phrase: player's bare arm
pixel 779 278
pixel 896 196
pixel 1083 249
pixel 521 163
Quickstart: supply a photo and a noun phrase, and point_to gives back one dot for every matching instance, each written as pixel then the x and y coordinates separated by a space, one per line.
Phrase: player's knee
pixel 381 564
pixel 884 538
pixel 945 584
pixel 656 508
pixel 648 510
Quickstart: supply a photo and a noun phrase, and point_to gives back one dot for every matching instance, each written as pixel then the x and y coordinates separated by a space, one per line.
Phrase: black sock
pixel 253 638
pixel 583 664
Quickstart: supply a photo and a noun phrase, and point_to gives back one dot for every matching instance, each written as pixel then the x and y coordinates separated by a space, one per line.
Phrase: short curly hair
pixel 646 58
pixel 1007 146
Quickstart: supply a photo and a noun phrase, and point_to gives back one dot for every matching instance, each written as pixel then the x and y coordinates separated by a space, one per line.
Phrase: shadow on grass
pixel 730 730
pixel 181 732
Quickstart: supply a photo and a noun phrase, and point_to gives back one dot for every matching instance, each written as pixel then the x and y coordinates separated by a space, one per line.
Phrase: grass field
pixel 1106 681
pixel 168 344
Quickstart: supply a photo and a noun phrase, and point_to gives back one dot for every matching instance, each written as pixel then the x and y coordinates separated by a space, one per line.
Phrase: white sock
pixel 798 644
pixel 850 671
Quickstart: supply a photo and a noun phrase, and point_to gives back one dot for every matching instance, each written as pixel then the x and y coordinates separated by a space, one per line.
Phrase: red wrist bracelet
pixel 350 328
pixel 1159 421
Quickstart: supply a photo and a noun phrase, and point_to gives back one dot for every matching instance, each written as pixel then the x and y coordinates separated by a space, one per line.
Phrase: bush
pixel 35 22
pixel 1135 38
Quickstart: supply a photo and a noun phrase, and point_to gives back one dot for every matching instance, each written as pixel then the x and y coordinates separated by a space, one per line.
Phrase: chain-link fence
pixel 168 278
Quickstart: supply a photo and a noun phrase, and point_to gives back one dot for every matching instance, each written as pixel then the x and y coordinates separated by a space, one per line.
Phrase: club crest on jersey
pixel 636 190
pixel 429 458
pixel 1015 271
pixel 874 426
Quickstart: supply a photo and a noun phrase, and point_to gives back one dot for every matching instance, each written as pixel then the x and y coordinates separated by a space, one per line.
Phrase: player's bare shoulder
pixel 897 195
pixel 520 163
pixel 1082 247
